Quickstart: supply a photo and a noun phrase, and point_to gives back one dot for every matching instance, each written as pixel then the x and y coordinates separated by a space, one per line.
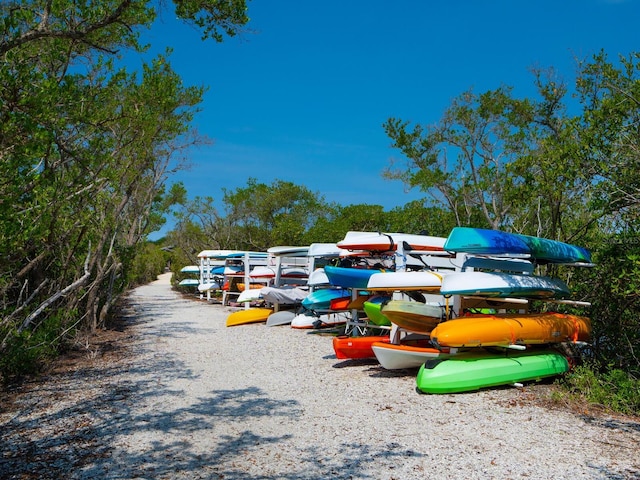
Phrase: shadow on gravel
pixel 75 423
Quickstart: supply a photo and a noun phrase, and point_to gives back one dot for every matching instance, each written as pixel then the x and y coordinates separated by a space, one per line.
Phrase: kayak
pixel 356 347
pixel 406 355
pixel 249 315
pixel 476 370
pixel 414 316
pixel 511 329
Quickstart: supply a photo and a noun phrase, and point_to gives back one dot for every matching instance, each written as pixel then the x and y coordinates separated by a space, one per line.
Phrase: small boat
pixel 495 242
pixel 414 316
pixel 381 242
pixel 189 282
pixel 409 354
pixel 349 277
pixel 308 320
pixel 288 295
pixel 511 329
pixel 373 310
pixel 283 317
pixel 405 281
pixel 498 284
pixel 320 299
pixel 356 346
pixel 249 295
pixel 249 315
pixel 476 370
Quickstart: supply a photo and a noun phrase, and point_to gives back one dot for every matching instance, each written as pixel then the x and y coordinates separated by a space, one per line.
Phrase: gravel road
pixel 177 395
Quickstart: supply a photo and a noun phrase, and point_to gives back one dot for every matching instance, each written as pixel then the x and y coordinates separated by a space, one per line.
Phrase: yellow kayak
pixel 511 329
pixel 250 315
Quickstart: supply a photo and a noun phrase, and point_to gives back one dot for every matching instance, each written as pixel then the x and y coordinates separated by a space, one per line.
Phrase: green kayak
pixel 475 370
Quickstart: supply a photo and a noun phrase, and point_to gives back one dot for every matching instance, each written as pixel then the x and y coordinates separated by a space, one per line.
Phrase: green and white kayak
pixel 476 370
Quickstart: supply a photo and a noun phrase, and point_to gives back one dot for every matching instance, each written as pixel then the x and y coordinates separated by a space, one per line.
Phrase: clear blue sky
pixel 303 97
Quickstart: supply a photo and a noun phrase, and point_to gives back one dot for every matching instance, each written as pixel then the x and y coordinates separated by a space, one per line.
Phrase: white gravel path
pixel 200 400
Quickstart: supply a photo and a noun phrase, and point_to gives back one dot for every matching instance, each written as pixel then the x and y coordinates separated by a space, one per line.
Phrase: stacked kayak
pixel 475 370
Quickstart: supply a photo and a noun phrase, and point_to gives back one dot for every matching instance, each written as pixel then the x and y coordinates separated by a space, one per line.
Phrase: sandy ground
pixel 192 398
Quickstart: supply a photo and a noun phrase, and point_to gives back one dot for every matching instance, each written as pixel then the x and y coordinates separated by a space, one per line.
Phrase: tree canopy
pixel 86 147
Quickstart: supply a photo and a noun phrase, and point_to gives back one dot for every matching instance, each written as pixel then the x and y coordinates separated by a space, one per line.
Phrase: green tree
pixel 262 216
pixel 86 148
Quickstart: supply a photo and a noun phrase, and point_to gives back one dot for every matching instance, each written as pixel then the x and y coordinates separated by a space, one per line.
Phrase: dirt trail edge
pixel 177 395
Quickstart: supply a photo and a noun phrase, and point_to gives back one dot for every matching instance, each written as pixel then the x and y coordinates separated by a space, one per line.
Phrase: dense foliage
pixel 86 147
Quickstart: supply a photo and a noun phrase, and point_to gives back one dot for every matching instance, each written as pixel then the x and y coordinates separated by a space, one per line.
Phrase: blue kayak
pixel 349 277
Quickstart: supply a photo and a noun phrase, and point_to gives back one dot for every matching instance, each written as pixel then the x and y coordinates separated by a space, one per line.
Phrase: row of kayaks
pixel 416 315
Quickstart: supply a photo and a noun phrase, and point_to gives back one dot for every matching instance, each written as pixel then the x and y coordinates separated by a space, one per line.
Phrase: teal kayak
pixel 476 370
pixel 481 241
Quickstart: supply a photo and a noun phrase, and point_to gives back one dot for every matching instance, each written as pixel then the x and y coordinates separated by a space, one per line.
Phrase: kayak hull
pixel 511 329
pixel 400 356
pixel 347 347
pixel 413 316
pixel 474 371
pixel 250 315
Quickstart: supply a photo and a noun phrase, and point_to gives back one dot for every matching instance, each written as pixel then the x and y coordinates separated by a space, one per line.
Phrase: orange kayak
pixel 357 347
pixel 511 329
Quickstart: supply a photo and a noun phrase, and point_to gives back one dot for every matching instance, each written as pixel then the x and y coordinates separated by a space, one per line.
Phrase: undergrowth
pixel 612 389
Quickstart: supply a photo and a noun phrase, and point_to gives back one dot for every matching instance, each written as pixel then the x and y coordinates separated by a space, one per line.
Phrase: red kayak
pixel 356 347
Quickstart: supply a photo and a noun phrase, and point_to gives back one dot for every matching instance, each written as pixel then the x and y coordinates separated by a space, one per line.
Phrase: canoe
pixel 502 285
pixel 189 282
pixel 308 320
pixel 495 242
pixel 321 299
pixel 356 347
pixel 473 371
pixel 414 316
pixel 405 281
pixel 249 315
pixel 283 317
pixel 381 242
pixel 511 329
pixel 393 356
pixel 373 309
pixel 349 277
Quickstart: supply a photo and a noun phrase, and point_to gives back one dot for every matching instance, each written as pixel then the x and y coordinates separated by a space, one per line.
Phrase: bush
pixel 614 389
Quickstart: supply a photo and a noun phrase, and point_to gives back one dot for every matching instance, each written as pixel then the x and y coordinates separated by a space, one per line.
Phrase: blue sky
pixel 303 97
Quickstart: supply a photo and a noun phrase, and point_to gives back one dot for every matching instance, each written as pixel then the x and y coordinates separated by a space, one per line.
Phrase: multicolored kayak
pixel 473 371
pixel 406 355
pixel 356 347
pixel 497 284
pixel 414 316
pixel 511 329
pixel 249 315
pixel 495 242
